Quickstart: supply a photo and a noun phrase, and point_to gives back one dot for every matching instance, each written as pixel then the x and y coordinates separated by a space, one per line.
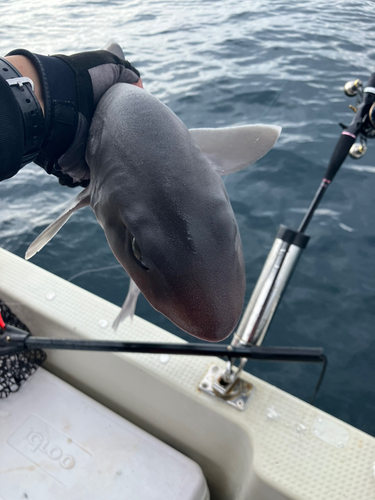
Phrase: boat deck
pixel 278 448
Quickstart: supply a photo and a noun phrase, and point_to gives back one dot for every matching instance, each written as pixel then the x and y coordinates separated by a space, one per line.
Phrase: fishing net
pixel 15 369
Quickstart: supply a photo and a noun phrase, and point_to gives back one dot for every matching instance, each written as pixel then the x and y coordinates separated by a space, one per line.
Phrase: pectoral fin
pixel 82 200
pixel 234 148
pixel 129 305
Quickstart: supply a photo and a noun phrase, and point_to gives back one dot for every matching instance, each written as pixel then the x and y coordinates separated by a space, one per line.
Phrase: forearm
pixel 50 124
pixel 26 68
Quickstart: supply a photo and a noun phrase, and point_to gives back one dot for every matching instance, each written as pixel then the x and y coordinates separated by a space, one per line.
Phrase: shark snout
pixel 207 310
pixel 208 321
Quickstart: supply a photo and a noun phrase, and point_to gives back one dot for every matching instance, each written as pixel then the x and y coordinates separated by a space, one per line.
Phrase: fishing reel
pixel 353 88
pixel 364 120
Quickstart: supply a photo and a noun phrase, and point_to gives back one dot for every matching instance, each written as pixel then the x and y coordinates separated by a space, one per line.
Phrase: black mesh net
pixel 17 368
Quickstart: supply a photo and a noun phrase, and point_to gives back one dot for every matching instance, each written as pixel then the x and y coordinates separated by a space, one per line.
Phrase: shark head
pixel 169 223
pixel 156 190
pixel 185 265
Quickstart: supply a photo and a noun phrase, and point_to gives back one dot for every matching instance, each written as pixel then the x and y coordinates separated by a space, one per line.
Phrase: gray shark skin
pixel 164 210
pixel 166 195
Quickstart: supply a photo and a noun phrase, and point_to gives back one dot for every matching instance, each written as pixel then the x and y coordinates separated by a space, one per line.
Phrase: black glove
pixel 72 87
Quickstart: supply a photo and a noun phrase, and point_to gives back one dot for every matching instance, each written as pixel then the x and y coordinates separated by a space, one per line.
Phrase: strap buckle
pixel 20 81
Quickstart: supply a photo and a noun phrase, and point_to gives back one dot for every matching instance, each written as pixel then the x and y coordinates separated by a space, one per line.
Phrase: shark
pixel 157 191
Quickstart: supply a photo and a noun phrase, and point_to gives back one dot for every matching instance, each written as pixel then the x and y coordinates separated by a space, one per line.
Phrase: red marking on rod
pixel 326 181
pixel 349 134
pixel 2 324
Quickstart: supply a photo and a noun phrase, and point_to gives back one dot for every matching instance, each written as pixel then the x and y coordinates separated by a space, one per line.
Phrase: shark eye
pixel 137 252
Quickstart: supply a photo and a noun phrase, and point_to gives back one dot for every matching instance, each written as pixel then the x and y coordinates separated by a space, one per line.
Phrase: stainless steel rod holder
pixel 264 275
pixel 286 270
pixel 271 284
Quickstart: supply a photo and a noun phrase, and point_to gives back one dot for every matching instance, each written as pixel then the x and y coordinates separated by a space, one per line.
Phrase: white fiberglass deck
pixel 279 448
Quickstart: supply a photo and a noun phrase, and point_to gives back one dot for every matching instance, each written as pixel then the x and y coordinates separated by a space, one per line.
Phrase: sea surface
pixel 222 63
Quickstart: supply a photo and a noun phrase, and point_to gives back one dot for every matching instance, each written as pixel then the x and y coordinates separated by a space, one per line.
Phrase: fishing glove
pixel 72 87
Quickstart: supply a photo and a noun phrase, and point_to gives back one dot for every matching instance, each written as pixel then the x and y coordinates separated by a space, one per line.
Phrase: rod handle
pixel 339 154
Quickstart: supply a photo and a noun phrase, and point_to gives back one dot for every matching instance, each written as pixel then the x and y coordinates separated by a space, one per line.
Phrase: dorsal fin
pixel 234 148
pixel 115 49
pixel 82 200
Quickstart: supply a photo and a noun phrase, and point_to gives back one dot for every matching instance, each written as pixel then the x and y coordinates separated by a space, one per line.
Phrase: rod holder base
pixel 238 397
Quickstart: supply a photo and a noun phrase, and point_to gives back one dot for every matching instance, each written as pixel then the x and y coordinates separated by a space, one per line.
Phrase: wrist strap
pixel 32 115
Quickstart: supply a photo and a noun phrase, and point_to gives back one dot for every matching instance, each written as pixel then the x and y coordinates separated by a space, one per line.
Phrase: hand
pixel 69 89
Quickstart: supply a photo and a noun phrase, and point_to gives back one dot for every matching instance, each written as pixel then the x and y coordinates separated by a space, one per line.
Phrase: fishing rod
pixel 14 340
pixel 289 244
pixel 362 127
pixel 22 353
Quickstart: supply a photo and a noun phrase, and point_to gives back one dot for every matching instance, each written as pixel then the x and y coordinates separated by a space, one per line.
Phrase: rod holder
pixel 275 275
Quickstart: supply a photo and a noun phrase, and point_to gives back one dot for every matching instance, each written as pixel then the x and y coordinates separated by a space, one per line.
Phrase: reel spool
pixel 358 150
pixel 353 87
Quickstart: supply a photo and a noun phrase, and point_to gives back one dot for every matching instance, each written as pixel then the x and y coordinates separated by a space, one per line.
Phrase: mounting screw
pixel 204 385
pixel 7 338
pixel 240 403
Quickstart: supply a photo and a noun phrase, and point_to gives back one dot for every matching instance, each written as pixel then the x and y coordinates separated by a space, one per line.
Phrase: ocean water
pixel 221 63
